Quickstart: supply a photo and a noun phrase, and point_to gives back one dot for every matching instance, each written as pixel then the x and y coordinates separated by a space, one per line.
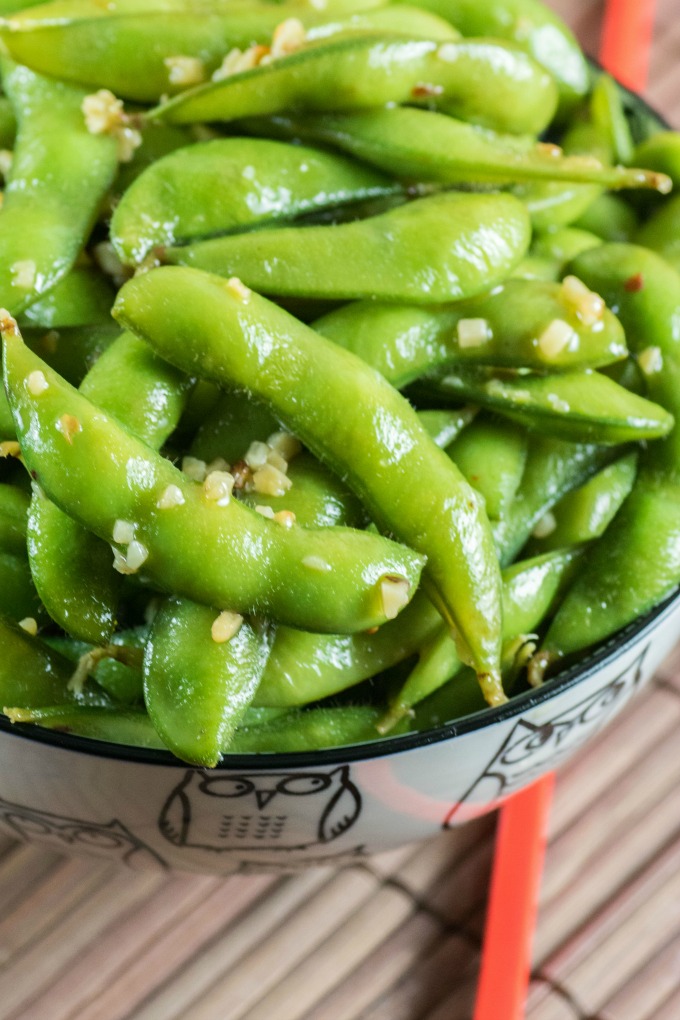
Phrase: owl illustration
pixel 64 834
pixel 253 810
pixel 531 749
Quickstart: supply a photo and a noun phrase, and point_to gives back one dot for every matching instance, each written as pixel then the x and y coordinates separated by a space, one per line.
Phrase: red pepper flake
pixel 634 283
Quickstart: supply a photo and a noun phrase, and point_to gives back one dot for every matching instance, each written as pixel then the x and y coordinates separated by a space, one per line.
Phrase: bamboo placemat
pixel 397 937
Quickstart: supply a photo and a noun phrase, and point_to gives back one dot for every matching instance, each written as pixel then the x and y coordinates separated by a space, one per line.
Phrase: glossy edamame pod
pixel 196 689
pixel 580 406
pixel 380 450
pixel 553 468
pixel 610 218
pixel 423 145
pixel 13 510
pixel 93 469
pixel 661 151
pixel 637 561
pixel 130 50
pixel 530 591
pixel 661 232
pixel 585 513
pixel 73 351
pixel 81 298
pixel 530 24
pixel 71 567
pixel 404 342
pixel 563 245
pixel 433 249
pixel 491 454
pixel 485 81
pixel 122 680
pixel 129 727
pixel 7 431
pixel 18 597
pixel 31 674
pixel 230 184
pixel 60 173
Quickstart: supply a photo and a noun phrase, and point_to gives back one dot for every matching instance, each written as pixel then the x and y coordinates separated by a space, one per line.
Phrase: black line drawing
pixel 530 749
pixel 62 833
pixel 252 808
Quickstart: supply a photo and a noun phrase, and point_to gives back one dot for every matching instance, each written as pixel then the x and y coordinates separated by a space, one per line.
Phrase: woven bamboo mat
pixel 397 937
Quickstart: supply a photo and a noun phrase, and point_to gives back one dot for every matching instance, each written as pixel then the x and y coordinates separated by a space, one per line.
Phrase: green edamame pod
pixel 231 184
pixel 433 249
pixel 130 50
pixel 71 352
pixel 580 406
pixel 71 567
pixel 81 298
pixel 7 431
pixel 231 426
pixel 129 727
pixel 609 115
pixel 553 468
pixel 661 152
pixel 530 24
pixel 92 468
pixel 31 674
pixel 637 561
pixel 121 676
pixel 530 591
pixel 609 217
pixel 563 245
pixel 585 513
pixel 485 81
pixel 508 324
pixel 661 232
pixel 60 174
pixel 197 689
pixel 8 124
pixel 427 146
pixel 492 455
pixel 304 667
pixel 13 510
pixel 18 597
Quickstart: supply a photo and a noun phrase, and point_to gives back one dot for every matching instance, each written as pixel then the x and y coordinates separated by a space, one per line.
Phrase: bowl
pixel 275 812
pixel 271 812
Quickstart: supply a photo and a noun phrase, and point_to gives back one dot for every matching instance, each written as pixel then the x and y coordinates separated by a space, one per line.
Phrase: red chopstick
pixel 522 827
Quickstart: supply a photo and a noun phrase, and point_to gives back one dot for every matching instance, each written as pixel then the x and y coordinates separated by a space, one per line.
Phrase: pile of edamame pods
pixel 341 353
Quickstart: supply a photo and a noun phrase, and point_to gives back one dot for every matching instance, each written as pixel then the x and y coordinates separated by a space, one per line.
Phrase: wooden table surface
pixel 398 937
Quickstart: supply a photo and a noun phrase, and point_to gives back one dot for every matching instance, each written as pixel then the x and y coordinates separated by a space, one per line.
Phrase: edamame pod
pixel 13 510
pixel 232 184
pixel 491 454
pixel 325 579
pixel 60 174
pixel 485 81
pixel 423 145
pixel 580 406
pixel 381 450
pixel 81 298
pixel 508 328
pixel 661 232
pixel 434 249
pixel 197 688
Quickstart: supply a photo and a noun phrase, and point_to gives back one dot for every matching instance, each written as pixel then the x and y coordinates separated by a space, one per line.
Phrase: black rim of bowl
pixel 641 117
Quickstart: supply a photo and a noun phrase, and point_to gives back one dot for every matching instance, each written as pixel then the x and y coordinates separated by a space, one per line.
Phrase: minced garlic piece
pixel 256 455
pixel 172 496
pixel 136 555
pixel 473 332
pixel 394 593
pixel 545 526
pixel 36 383
pixel 265 511
pixel 194 468
pixel 104 115
pixel 107 259
pixel 6 159
pixel 29 625
pixel 8 324
pixel 225 627
pixel 69 426
pixel 218 464
pixel 10 448
pixel 555 338
pixel 558 404
pixel 588 305
pixel 123 532
pixel 285 444
pixel 277 461
pixel 269 481
pixel 185 70
pixel 316 563
pixel 237 61
pixel 286 518
pixel 288 37
pixel 218 487
pixel 650 360
pixel 238 289
pixel 23 272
